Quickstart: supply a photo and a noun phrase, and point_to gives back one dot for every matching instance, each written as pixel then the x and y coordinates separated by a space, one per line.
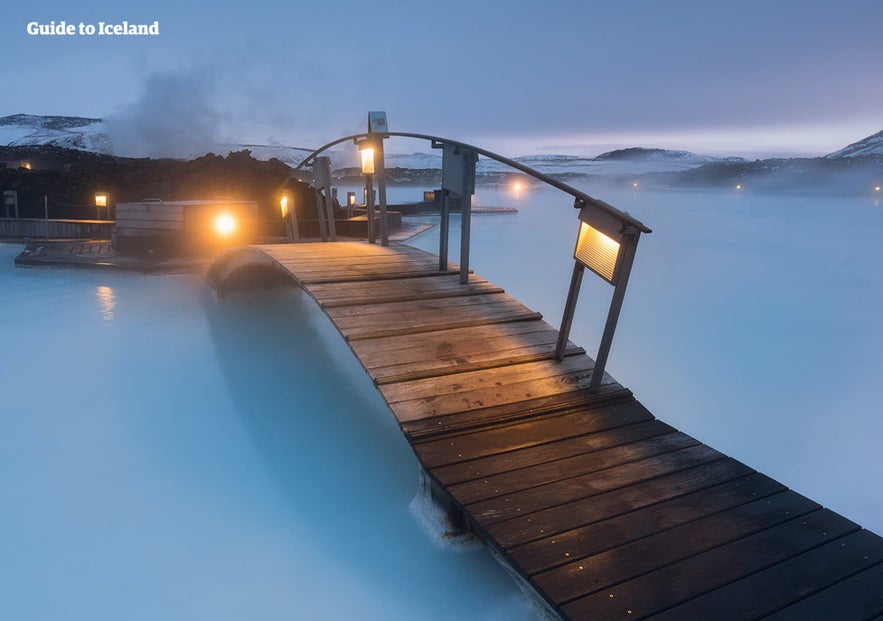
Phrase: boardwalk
pixel 605 511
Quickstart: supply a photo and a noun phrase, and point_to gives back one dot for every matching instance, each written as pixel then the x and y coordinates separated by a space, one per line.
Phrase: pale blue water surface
pixel 167 455
pixel 164 455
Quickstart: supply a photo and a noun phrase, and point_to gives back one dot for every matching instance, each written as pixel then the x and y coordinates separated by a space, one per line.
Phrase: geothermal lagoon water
pixel 167 455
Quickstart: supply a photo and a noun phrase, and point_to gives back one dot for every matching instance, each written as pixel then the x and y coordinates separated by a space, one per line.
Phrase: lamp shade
pixel 599 243
pixel 368 161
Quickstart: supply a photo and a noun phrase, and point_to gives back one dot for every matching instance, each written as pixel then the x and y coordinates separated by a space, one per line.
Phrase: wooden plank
pixel 700 574
pixel 772 589
pixel 375 353
pixel 352 293
pixel 580 512
pixel 562 548
pixel 383 313
pixel 461 383
pixel 492 360
pixel 508 461
pixel 378 297
pixel 426 429
pixel 441 401
pixel 437 322
pixel 563 468
pixel 366 277
pixel 579 422
pixel 588 575
pixel 857 598
pixel 568 490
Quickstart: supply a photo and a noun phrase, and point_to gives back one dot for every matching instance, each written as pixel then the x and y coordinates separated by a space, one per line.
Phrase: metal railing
pixel 615 232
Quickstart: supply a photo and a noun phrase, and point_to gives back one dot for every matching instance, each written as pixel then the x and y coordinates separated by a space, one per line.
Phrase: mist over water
pixel 164 454
pixel 167 455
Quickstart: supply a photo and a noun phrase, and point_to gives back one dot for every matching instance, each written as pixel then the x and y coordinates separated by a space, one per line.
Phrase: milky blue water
pixel 167 455
pixel 164 455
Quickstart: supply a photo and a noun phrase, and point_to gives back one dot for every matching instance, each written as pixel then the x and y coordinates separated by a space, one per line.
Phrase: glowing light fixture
pixel 225 224
pixel 101 201
pixel 738 186
pixel 598 243
pixel 367 161
pixel 876 188
pixel 606 244
pixel 27 165
pixel 350 198
pixel 283 205
pixel 634 184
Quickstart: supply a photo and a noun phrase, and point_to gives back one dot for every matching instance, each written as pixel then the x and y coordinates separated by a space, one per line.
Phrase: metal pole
pixel 46 213
pixel 323 233
pixel 380 170
pixel 329 212
pixel 369 204
pixel 443 231
pixel 631 245
pixel 569 309
pixel 468 179
pixel 465 226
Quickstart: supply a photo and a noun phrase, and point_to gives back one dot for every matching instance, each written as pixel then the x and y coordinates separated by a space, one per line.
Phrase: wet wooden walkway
pixel 607 512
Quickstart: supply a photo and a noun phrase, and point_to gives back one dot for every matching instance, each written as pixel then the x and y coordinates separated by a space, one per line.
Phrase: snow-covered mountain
pixel 70 132
pixel 87 134
pixel 870 146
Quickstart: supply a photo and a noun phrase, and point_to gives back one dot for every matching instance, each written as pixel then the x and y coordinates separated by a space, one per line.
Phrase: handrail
pixel 580 197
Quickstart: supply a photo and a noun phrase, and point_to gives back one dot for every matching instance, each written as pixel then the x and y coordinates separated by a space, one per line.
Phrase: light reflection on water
pixel 106 302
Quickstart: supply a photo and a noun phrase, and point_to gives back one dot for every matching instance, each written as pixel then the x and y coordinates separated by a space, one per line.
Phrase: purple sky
pixel 749 77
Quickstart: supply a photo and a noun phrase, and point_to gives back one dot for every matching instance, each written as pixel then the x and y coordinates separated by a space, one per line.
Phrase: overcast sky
pixel 744 77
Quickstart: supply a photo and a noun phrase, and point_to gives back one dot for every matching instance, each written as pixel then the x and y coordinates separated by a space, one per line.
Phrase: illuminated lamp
pixel 283 205
pixel 599 243
pixel 100 201
pixel 367 161
pixel 606 245
pixel 225 224
pixel 350 198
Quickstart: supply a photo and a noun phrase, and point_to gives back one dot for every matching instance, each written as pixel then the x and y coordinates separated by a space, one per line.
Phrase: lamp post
pixel 366 147
pixel 288 218
pixel 606 245
pixel 101 201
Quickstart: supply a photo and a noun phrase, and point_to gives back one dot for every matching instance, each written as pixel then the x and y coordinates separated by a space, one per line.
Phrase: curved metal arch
pixel 579 196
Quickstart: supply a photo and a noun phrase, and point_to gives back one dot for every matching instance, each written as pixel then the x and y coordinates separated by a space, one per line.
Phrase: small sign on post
pixel 458 180
pixel 377 123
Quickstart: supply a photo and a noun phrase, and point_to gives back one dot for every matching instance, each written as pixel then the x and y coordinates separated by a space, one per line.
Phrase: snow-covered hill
pixel 70 132
pixel 870 146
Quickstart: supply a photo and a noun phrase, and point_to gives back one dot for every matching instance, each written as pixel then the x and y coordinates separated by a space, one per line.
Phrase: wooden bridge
pixel 605 511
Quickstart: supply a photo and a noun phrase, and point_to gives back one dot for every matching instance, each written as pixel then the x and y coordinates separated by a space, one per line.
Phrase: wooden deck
pixel 607 512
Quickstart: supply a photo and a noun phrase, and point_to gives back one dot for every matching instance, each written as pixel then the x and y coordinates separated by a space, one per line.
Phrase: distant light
pixel 367 161
pixel 738 186
pixel 350 198
pixel 225 224
pixel 635 184
pixel 283 205
pixel 101 200
pixel 876 188
pixel 26 165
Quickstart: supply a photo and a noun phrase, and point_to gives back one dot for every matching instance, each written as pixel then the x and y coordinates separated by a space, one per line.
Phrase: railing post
pixel 369 207
pixel 631 246
pixel 443 230
pixel 379 164
pixel 569 307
